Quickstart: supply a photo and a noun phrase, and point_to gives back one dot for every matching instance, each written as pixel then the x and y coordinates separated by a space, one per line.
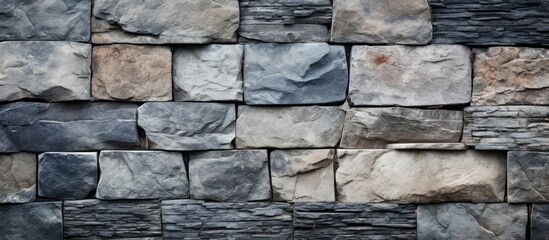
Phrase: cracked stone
pixel 17 178
pixel 427 146
pixel 299 175
pixel 234 176
pixel 527 177
pixel 539 220
pixel 39 220
pixel 142 175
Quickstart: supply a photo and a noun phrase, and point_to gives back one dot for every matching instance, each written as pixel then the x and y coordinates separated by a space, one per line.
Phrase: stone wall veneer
pixel 39 220
pixel 17 178
pixel 539 220
pixel 527 177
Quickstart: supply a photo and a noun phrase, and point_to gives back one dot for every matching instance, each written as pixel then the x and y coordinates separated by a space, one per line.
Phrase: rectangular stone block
pixel 17 178
pixel 420 176
pixel 539 222
pixel 376 127
pixel 95 219
pixel 288 127
pixel 350 221
pixel 527 177
pixel 283 33
pixel 40 220
pixel 51 71
pixel 41 127
pixel 192 219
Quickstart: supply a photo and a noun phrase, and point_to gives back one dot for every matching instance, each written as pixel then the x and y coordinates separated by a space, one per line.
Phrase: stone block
pixel 17 178
pixel 283 33
pixel 539 222
pixel 527 177
pixel 40 220
pixel 427 146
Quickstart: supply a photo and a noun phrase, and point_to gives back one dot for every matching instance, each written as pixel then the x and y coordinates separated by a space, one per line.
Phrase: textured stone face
pixel 410 76
pixel 374 21
pixel 17 178
pixel 303 175
pixel 208 73
pixel 41 127
pixel 54 20
pixel 437 176
pixel 51 71
pixel 142 175
pixel 64 175
pixel 472 221
pixel 427 146
pixel 511 75
pixel 288 127
pixel 131 21
pixel 300 73
pixel 539 222
pixel 188 126
pixel 132 73
pixel 375 127
pixel 40 220
pixel 230 176
pixel 527 177
pixel 283 33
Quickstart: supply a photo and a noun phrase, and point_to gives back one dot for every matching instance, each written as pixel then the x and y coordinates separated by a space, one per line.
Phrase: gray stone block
pixel 539 222
pixel 427 146
pixel 40 220
pixel 17 178
pixel 283 33
pixel 527 177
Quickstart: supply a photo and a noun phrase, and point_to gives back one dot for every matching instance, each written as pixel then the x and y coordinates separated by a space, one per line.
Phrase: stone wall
pixel 280 119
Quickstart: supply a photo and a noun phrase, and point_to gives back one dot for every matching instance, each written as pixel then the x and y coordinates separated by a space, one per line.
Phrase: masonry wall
pixel 251 119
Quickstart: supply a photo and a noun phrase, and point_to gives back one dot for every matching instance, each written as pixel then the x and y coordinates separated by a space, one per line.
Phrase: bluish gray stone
pixel 17 178
pixel 40 220
pixel 67 175
pixel 539 222
pixel 527 177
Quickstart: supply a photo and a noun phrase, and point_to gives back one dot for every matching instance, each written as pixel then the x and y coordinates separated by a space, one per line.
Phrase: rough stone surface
pixel 303 175
pixel 410 76
pixel 511 75
pixel 142 175
pixel 354 221
pixel 527 177
pixel 230 176
pixel 288 127
pixel 188 126
pixel 95 219
pixel 51 71
pixel 539 220
pixel 42 127
pixel 208 73
pixel 67 175
pixel 376 127
pixel 192 219
pixel 299 73
pixel 283 33
pixel 130 21
pixel 427 146
pixel 40 220
pixel 132 73
pixel 507 127
pixel 374 21
pixel 17 178
pixel 53 20
pixel 437 176
pixel 451 221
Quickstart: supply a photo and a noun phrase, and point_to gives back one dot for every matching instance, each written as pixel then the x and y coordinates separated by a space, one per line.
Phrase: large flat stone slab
pixel 51 71
pixel 410 76
pixel 539 222
pixel 376 127
pixel 17 177
pixel 230 176
pixel 420 176
pixel 511 75
pixel 128 21
pixel 188 125
pixel 288 127
pixel 40 220
pixel 299 73
pixel 527 177
pixel 42 127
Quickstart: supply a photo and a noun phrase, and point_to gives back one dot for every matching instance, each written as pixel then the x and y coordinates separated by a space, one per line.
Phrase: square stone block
pixel 17 177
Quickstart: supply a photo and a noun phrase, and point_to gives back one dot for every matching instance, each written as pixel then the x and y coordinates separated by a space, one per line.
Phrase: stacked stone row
pixel 190 119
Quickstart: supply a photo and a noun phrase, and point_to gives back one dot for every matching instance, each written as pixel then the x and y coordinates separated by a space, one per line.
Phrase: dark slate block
pixel 539 222
pixel 40 220
pixel 527 177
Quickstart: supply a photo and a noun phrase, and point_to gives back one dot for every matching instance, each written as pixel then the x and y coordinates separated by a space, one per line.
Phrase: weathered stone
pixel 54 20
pixel 507 127
pixel 142 175
pixel 303 175
pixel 437 176
pixel 41 127
pixel 427 146
pixel 67 175
pixel 283 33
pixel 208 73
pixel 354 221
pixel 511 75
pixel 299 73
pixel 374 21
pixel 192 219
pixel 527 177
pixel 51 71
pixel 288 127
pixel 129 21
pixel 188 126
pixel 376 127
pixel 150 68
pixel 410 76
pixel 95 219
pixel 500 221
pixel 234 176
pixel 539 222
pixel 40 220
pixel 17 178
